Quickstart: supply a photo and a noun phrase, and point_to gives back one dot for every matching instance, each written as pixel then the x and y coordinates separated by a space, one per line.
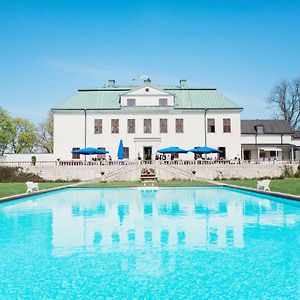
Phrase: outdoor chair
pixel 264 185
pixel 31 187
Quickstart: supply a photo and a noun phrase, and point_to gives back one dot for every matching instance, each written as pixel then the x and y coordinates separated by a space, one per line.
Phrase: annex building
pixel 147 118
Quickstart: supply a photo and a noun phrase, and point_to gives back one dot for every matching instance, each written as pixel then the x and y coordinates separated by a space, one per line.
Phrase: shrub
pixel 15 174
pixel 297 174
pixel 288 171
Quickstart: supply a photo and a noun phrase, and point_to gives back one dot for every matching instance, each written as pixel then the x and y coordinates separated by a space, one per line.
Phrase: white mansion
pixel 148 118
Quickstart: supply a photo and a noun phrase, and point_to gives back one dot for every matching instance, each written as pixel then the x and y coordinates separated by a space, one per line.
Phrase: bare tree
pixel 285 100
pixel 45 134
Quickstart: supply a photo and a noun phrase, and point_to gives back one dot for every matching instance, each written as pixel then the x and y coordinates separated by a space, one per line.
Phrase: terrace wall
pixel 163 172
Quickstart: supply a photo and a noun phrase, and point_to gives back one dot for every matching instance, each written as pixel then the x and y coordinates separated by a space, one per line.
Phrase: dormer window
pixel 131 102
pixel 259 129
pixel 163 102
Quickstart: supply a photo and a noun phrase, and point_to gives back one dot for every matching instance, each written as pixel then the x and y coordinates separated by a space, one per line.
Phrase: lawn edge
pixel 276 194
pixel 25 195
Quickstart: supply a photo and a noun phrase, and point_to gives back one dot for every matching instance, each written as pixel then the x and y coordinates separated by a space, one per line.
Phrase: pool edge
pixel 25 195
pixel 275 194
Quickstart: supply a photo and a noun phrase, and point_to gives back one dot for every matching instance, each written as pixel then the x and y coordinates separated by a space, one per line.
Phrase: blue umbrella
pixel 205 150
pixel 172 150
pixel 121 150
pixel 89 151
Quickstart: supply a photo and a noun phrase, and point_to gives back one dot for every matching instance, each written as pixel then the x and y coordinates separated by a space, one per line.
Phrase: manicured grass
pixel 139 183
pixel 287 185
pixel 14 188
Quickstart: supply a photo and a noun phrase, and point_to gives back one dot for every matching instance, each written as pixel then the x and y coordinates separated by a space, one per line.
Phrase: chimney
pixel 182 83
pixel 147 81
pixel 111 83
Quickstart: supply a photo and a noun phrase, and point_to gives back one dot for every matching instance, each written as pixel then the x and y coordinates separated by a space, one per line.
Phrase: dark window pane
pixel 131 126
pixel 115 126
pixel 163 125
pixel 147 125
pixel 179 125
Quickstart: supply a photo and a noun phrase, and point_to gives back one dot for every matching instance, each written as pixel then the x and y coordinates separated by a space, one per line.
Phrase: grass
pixel 179 183
pixel 14 188
pixel 286 186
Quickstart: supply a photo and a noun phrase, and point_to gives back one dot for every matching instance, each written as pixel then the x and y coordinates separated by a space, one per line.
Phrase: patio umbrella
pixel 89 151
pixel 172 150
pixel 205 150
pixel 121 150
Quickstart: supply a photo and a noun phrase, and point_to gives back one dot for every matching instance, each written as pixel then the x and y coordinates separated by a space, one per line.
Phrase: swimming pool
pixel 170 243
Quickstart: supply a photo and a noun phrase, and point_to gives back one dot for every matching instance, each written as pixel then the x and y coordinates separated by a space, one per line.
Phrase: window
pixel 273 153
pixel 211 125
pixel 223 154
pixel 114 125
pixel 131 102
pixel 147 125
pixel 98 126
pixel 247 155
pixel 101 156
pixel 163 102
pixel 179 125
pixel 163 124
pixel 131 126
pixel 259 129
pixel 75 156
pixel 126 152
pixel 226 125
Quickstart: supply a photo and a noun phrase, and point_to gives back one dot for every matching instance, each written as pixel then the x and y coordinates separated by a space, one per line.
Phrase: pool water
pixel 171 243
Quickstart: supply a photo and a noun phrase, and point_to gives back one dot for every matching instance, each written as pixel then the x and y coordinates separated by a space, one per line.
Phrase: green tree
pixel 45 134
pixel 7 130
pixel 25 137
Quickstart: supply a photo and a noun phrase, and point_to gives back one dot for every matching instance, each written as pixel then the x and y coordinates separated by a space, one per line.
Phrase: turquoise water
pixel 174 243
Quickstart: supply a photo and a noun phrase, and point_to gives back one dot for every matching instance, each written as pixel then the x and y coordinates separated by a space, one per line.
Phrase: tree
pixel 45 134
pixel 285 99
pixel 7 130
pixel 25 137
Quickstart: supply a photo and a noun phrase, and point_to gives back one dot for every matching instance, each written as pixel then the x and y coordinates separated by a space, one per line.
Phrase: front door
pixel 147 153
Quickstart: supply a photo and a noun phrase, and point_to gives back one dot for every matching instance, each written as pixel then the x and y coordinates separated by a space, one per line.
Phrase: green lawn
pixel 9 189
pixel 138 183
pixel 287 185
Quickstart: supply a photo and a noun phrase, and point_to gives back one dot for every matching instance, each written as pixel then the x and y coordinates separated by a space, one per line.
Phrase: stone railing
pixel 143 162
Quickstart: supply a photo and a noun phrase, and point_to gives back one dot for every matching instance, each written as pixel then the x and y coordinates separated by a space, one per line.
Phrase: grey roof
pixel 297 134
pixel 185 98
pixel 270 126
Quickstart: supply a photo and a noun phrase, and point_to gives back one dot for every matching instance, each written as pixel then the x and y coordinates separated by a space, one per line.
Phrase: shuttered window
pixel 163 102
pixel 163 125
pixel 114 125
pixel 211 125
pixel 147 125
pixel 179 125
pixel 226 125
pixel 131 102
pixel 98 126
pixel 131 126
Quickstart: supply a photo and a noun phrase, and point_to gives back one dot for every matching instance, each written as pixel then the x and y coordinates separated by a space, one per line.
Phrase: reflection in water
pixel 88 220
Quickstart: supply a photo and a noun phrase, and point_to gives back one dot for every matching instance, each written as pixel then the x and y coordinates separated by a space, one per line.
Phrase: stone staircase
pixel 177 171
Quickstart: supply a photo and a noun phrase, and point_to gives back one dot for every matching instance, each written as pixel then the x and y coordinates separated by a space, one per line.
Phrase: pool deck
pixel 215 183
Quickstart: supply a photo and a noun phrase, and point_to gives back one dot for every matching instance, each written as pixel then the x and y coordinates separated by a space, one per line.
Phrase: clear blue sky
pixel 49 49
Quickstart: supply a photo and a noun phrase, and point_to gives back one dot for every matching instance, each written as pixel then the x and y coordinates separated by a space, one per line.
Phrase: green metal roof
pixel 108 98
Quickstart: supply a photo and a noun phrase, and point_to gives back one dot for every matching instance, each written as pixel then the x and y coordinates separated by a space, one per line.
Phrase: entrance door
pixel 223 154
pixel 147 153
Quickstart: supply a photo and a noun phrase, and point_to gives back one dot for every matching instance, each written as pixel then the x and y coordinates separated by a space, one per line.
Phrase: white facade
pixel 76 128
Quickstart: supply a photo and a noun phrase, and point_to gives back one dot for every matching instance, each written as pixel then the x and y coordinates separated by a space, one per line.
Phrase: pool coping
pixel 214 183
pixel 275 194
pixel 25 195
